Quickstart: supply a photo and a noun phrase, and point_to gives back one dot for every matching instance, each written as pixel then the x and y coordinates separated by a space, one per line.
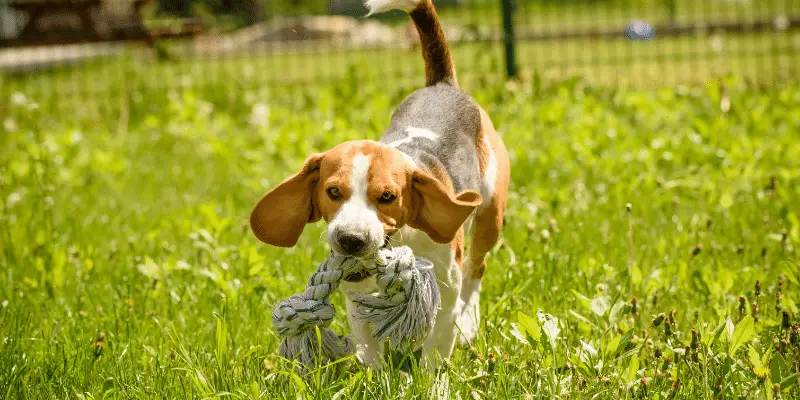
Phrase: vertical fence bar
pixel 509 7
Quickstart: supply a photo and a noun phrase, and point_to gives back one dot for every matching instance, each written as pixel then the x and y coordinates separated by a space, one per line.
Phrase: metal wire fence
pixel 91 47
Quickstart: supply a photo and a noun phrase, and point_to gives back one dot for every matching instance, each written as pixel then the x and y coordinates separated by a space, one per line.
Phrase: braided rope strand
pixel 296 317
pixel 403 311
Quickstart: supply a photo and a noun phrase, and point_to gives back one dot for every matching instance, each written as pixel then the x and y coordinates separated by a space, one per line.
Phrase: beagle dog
pixel 439 170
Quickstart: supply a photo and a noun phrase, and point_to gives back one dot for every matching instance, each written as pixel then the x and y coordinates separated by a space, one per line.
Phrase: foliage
pixel 131 222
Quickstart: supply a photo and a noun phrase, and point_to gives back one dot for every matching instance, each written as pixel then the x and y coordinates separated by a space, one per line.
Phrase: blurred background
pixel 98 47
pixel 656 170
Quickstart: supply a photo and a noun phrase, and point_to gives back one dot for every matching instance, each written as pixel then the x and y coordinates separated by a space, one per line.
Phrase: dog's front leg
pixel 368 349
pixel 439 345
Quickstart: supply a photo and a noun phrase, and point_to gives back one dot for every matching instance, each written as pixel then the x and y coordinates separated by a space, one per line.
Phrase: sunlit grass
pixel 128 217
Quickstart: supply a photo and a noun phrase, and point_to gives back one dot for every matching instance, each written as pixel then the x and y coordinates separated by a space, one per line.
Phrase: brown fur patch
pixel 457 245
pixel 438 63
pixel 442 176
pixel 478 272
pixel 489 219
pixel 482 145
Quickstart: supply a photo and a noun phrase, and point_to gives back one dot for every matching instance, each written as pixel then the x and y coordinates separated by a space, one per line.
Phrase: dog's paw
pixel 468 322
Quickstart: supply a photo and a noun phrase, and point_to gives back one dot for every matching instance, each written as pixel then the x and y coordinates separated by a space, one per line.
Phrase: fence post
pixel 509 7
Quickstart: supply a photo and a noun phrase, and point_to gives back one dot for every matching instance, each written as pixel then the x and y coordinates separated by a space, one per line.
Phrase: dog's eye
pixel 333 193
pixel 387 197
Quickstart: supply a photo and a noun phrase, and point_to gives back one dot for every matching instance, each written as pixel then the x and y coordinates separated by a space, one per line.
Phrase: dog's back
pixel 439 125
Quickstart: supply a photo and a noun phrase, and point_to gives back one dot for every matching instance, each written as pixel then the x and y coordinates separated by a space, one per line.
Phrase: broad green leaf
pixel 517 333
pixel 766 356
pixel 781 371
pixel 752 354
pixel 743 333
pixel 624 342
pixel 530 327
pixel 583 300
pixel 779 368
pixel 711 338
pixel 790 381
pixel 613 345
pixel 633 368
pixel 768 385
pixel 619 344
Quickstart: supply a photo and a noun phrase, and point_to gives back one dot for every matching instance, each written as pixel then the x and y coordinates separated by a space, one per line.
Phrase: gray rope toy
pixel 403 311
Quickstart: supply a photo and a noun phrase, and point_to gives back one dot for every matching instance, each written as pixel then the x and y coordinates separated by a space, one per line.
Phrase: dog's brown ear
pixel 281 214
pixel 437 212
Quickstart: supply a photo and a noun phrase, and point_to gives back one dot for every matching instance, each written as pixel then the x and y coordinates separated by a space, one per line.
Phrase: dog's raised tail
pixel 438 63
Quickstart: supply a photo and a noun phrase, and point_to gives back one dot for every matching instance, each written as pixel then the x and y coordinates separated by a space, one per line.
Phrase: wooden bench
pixel 89 21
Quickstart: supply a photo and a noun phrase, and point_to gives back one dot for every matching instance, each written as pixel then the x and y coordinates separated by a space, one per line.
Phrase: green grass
pixel 128 217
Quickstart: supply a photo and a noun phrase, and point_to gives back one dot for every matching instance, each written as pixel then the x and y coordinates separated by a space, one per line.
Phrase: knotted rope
pixel 403 311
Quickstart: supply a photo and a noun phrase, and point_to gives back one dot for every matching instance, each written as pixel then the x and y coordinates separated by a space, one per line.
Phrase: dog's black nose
pixel 352 243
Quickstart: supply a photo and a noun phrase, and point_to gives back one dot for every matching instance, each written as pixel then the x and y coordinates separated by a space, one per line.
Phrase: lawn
pixel 650 249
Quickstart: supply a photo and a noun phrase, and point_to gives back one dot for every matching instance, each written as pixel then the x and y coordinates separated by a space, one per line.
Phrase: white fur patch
pixel 469 316
pixel 415 133
pixel 489 176
pixel 409 160
pixel 380 6
pixel 368 349
pixel 357 215
pixel 358 178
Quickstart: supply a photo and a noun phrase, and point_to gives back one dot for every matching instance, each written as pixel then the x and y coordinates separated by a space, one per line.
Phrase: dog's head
pixel 365 191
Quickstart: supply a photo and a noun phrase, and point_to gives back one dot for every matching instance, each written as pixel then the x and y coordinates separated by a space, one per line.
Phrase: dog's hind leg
pixel 486 227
